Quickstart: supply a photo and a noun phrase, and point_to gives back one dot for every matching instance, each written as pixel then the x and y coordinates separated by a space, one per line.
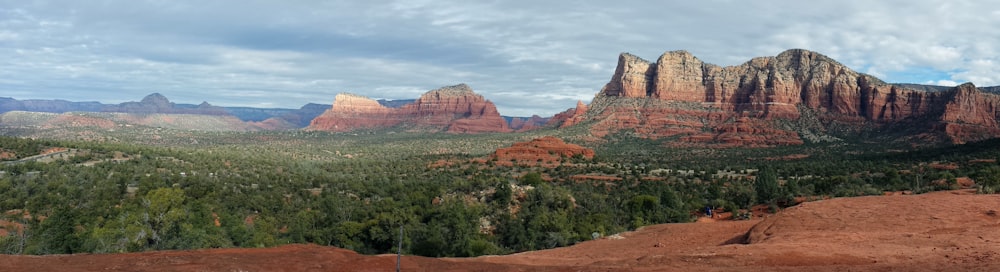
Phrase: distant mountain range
pixel 158 104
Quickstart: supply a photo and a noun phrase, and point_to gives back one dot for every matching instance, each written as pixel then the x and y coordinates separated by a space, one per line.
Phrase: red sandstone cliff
pixel 455 109
pixel 971 115
pixel 753 103
pixel 569 117
pixel 351 111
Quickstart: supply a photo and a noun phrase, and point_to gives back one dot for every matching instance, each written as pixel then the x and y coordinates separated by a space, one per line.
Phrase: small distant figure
pixel 708 211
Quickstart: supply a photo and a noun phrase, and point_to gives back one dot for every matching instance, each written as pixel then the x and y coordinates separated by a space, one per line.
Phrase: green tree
pixel 766 185
pixel 988 180
pixel 57 234
pixel 502 195
pixel 533 179
pixel 643 210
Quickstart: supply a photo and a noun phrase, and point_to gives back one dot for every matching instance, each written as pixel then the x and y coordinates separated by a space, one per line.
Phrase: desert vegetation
pixel 145 188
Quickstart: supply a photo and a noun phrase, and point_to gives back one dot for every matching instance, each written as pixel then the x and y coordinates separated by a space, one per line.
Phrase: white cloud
pixel 260 61
pixel 982 72
pixel 8 36
pixel 942 82
pixel 548 53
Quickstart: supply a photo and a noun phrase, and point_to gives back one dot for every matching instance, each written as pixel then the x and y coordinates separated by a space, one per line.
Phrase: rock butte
pixel 546 151
pixel 787 99
pixel 157 103
pixel 771 101
pixel 455 109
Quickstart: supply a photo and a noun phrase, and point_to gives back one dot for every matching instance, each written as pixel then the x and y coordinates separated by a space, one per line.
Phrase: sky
pixel 528 57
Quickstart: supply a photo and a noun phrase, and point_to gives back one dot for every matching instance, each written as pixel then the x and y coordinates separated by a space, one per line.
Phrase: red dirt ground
pixel 6 155
pixel 942 231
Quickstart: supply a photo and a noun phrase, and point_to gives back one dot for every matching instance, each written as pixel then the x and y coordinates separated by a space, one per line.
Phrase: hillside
pixel 91 121
pixel 908 232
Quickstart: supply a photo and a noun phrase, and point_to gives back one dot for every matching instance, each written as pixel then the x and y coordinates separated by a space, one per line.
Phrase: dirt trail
pixel 943 231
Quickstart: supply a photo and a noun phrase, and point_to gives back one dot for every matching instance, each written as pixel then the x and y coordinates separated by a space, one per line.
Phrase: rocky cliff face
pixel 633 77
pixel 971 115
pixel 571 116
pixel 752 103
pixel 351 111
pixel 455 109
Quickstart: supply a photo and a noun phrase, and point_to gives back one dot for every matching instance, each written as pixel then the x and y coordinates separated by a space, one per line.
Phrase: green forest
pixel 191 190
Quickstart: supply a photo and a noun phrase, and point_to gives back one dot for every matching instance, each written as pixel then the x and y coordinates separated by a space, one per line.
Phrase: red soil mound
pixel 944 231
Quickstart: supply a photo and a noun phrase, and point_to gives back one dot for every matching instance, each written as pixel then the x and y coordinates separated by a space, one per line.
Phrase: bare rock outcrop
pixel 971 115
pixel 545 151
pixel 351 112
pixel 758 102
pixel 569 117
pixel 455 109
pixel 632 77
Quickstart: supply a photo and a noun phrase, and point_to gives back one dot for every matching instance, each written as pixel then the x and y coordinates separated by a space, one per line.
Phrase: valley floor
pixel 941 231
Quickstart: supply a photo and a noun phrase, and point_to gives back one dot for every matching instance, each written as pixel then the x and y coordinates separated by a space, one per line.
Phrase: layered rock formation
pixel 773 100
pixel 455 109
pixel 569 117
pixel 545 151
pixel 971 115
pixel 351 111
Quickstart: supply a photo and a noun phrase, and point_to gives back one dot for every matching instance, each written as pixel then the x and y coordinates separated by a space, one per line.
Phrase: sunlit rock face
pixel 454 109
pixel 770 101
